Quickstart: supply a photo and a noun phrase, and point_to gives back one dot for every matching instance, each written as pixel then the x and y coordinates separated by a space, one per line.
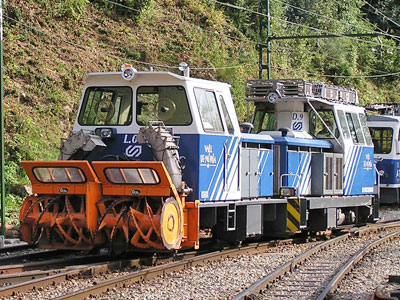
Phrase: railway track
pixel 138 270
pixel 17 247
pixel 317 272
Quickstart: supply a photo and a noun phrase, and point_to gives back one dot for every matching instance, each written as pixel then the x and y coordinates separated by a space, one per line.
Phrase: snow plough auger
pixel 130 204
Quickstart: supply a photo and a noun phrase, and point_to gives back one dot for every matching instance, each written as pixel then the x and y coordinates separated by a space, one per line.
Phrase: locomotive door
pixel 219 148
pixel 231 149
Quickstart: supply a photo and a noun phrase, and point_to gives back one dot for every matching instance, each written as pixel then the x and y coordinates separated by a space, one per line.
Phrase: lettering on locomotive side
pixel 367 163
pixel 209 159
pixel 130 139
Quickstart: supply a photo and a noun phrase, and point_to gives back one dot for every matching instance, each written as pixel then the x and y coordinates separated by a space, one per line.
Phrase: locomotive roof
pixel 155 75
pixel 383 118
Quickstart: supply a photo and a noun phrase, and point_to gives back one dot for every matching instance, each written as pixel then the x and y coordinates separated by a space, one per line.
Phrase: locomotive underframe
pixel 237 220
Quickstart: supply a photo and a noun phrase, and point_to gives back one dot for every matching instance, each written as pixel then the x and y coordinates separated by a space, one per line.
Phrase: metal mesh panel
pixel 328 172
pixel 258 90
pixel 339 173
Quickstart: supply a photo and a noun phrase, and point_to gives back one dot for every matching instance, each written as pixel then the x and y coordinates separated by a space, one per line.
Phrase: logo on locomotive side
pixel 367 163
pixel 297 126
pixel 132 150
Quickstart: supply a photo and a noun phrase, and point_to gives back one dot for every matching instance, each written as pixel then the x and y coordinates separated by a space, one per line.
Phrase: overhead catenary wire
pixel 329 57
pixel 377 12
pixel 248 41
pixel 237 38
pixel 395 37
pixel 336 20
pixel 304 26
pixel 346 76
pixel 332 33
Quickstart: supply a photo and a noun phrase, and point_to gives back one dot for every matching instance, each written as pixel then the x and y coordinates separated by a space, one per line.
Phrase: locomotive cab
pixel 324 150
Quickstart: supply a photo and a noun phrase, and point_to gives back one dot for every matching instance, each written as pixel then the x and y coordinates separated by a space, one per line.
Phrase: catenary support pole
pixel 3 192
pixel 268 41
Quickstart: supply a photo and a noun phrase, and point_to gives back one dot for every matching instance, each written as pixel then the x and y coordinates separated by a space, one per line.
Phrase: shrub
pixel 71 8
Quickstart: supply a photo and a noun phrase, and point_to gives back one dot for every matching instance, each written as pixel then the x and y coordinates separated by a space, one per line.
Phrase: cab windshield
pixel 162 103
pixel 106 106
pixel 264 121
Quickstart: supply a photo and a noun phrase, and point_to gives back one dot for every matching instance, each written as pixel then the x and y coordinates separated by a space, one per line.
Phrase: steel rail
pixel 264 282
pixel 52 263
pixel 37 279
pixel 41 279
pixel 152 272
pixel 333 284
pixel 18 247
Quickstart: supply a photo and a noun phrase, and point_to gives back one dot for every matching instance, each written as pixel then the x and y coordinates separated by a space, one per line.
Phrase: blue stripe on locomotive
pixel 299 163
pixel 359 172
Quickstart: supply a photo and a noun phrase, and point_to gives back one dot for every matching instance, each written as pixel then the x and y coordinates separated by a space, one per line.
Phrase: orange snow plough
pixel 130 204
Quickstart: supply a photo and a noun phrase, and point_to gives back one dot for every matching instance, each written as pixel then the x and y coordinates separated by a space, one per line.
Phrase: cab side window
pixel 228 120
pixel 364 127
pixel 355 128
pixel 208 108
pixel 318 129
pixel 343 124
pixel 382 138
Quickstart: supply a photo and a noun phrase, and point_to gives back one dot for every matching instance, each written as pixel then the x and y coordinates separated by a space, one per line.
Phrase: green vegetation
pixel 50 46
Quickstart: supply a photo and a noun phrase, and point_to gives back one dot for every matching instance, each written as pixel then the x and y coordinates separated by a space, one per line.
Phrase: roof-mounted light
pixel 128 72
pixel 273 97
pixel 184 67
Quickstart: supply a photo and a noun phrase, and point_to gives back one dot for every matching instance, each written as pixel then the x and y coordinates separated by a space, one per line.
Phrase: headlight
pixel 105 133
pixel 128 72
pixel 288 191
pixel 273 97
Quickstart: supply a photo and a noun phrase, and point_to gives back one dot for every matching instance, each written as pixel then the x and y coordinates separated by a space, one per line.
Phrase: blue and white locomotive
pixel 157 160
pixel 384 129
